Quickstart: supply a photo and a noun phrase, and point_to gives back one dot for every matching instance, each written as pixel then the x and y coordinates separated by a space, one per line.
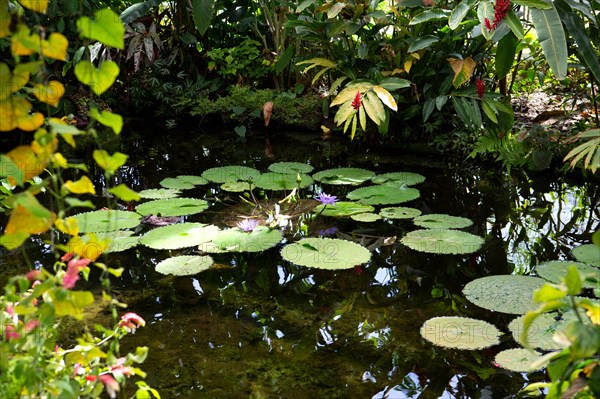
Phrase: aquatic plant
pixel 326 253
pixel 230 174
pixel 172 207
pixel 460 332
pixel 519 360
pixel 248 225
pixel 441 241
pixel 384 194
pixel 343 208
pixel 326 199
pixel 180 235
pixel 258 239
pixel 541 332
pixel 282 181
pixel 105 220
pixel 587 253
pixel 441 221
pixel 366 217
pixel 176 184
pixel 408 178
pixel 555 270
pixel 504 293
pixel 159 193
pixel 291 167
pixel 399 212
pixel 184 265
pixel 343 176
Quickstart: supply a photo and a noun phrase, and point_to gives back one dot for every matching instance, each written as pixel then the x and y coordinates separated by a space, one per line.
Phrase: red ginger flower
pixel 356 101
pixel 480 85
pixel 501 8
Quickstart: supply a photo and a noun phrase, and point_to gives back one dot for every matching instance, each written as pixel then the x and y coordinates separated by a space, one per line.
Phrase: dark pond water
pixel 256 326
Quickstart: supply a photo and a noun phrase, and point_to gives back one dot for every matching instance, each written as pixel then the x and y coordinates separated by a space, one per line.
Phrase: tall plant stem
pixel 595 102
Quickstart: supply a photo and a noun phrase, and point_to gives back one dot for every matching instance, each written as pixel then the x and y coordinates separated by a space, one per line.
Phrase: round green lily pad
pixel 106 220
pixel 383 194
pixel 540 333
pixel 282 181
pixel 343 176
pixel 195 180
pixel 407 178
pixel 399 212
pixel 555 270
pixel 172 207
pixel 460 332
pixel 366 217
pixel 504 293
pixel 120 240
pixel 159 193
pixel 237 240
pixel 342 208
pixel 588 253
pixel 176 184
pixel 180 235
pixel 236 186
pixel 442 241
pixel 519 360
pixel 326 253
pixel 185 265
pixel 441 221
pixel 229 174
pixel 290 167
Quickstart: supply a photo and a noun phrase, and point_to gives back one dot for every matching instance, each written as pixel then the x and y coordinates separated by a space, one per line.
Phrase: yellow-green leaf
pixel 106 27
pixel 4 19
pixel 55 47
pixel 99 79
pixel 463 70
pixel 22 220
pixel 35 5
pixel 87 246
pixel 110 163
pixel 124 193
pixel 59 126
pixel 386 98
pixel 27 161
pixel 49 94
pixel 68 226
pixel 374 107
pixel 15 112
pixel 347 94
pixel 23 42
pixel 114 121
pixel 362 117
pixel 81 186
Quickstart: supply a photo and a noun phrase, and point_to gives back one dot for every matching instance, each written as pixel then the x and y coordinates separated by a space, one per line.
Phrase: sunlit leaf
pixel 15 112
pixel 386 97
pixel 27 161
pixel 49 94
pixel 460 332
pixel 184 265
pixel 463 70
pixel 326 253
pixel 35 5
pixel 114 121
pixel 99 79
pixel 22 220
pixel 124 193
pixel 82 186
pixel 55 47
pixel 87 246
pixel 67 226
pixel 106 27
pixel 110 163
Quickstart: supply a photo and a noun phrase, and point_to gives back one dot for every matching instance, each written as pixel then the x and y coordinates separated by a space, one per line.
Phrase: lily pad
pixel 460 332
pixel 172 207
pixel 555 270
pixel 236 186
pixel 185 265
pixel 504 293
pixel 159 193
pixel 176 184
pixel 179 235
pixel 290 167
pixel 229 174
pixel 383 194
pixel 442 221
pixel 366 217
pixel 106 220
pixel 407 178
pixel 343 176
pixel 399 212
pixel 282 181
pixel 540 333
pixel 519 360
pixel 442 241
pixel 237 240
pixel 121 240
pixel 588 253
pixel 326 253
pixel 195 180
pixel 343 208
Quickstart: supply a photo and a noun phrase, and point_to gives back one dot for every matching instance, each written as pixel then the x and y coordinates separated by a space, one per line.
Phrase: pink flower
pixel 72 274
pixel 356 101
pixel 31 325
pixel 79 262
pixel 248 225
pixel 119 367
pixel 67 257
pixel 34 275
pixel 112 386
pixel 11 333
pixel 91 378
pixel 131 321
pixel 480 86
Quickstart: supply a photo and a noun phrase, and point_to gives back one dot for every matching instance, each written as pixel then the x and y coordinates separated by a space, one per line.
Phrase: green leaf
pixel 392 83
pixel 468 111
pixel 374 107
pixel 541 4
pixel 442 221
pixel 422 42
pixel 519 360
pixel 284 60
pixel 124 193
pixel 106 28
pixel 342 208
pixel 385 98
pixel 460 332
pixel 458 14
pixel 505 55
pixel 203 12
pixel 138 10
pixel 573 281
pixel 237 240
pixel 342 176
pixel 291 168
pixel 114 121
pixel 99 79
pixel 326 253
pixel 503 293
pixel 184 265
pixel 441 241
pixel 180 235
pixel 515 25
pixel 489 111
pixel 110 163
pixel 551 36
pixel 435 14
pixel 172 207
pixel 485 10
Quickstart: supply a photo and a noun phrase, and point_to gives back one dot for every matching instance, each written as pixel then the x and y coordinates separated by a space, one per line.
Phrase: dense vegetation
pixel 444 74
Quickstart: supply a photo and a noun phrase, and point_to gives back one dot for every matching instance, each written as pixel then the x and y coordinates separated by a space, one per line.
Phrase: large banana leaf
pixel 552 39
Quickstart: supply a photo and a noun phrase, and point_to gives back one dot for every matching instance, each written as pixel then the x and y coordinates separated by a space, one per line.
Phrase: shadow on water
pixel 256 326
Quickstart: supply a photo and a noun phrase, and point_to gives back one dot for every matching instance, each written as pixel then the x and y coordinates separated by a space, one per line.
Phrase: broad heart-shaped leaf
pixel 540 333
pixel 82 186
pixel 106 220
pixel 343 208
pixel 110 163
pixel 463 70
pixel 551 36
pixel 441 221
pixel 202 13
pixel 408 178
pixel 555 270
pixel 237 240
pixel 184 265
pixel 124 193
pixel 282 181
pixel 35 5
pixel 460 333
pixel 326 253
pixel 343 176
pixel 179 235
pixel 120 240
pixel 114 121
pixel 22 220
pixel 384 194
pixel 504 293
pixel 55 47
pixel 86 246
pixel 588 253
pixel 230 174
pixel 27 162
pixel 442 241
pixel 50 93
pixel 399 212
pixel 15 112
pixel 519 360
pixel 290 167
pixel 106 28
pixel 99 79
pixel 172 207
pixel 159 193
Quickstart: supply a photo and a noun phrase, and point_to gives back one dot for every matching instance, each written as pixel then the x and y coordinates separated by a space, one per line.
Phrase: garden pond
pixel 329 301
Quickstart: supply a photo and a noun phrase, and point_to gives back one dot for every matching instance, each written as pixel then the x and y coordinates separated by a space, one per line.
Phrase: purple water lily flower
pixel 248 225
pixel 326 199
pixel 329 232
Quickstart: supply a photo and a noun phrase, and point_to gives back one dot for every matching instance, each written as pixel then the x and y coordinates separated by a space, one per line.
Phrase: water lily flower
pixel 131 321
pixel 248 225
pixel 329 232
pixel 327 199
pixel 356 101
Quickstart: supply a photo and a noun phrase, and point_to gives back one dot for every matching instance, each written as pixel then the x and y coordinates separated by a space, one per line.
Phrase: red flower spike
pixel 501 8
pixel 356 101
pixel 480 85
pixel 487 23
